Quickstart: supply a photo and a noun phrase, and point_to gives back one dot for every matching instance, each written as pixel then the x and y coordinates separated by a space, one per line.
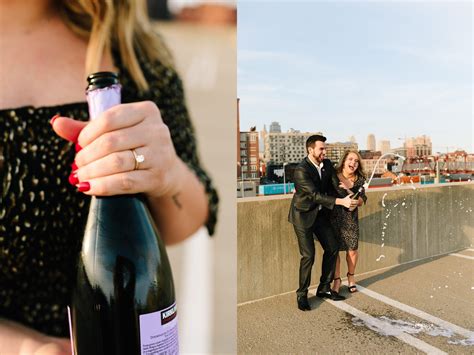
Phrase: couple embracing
pixel 322 208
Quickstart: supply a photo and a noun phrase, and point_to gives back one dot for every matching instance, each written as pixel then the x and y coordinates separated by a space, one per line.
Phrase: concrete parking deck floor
pixel 425 306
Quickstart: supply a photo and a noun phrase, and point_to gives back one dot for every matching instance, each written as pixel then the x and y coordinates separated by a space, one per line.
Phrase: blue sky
pixel 392 68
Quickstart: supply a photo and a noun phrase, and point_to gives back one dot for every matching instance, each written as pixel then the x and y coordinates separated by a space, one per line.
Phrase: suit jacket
pixel 311 192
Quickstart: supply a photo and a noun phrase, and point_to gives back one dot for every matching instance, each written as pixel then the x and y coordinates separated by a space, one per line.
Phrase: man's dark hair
pixel 312 140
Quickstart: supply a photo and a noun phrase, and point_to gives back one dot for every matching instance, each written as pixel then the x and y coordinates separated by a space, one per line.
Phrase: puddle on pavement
pixel 395 327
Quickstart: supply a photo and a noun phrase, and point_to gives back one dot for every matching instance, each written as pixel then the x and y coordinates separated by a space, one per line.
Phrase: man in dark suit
pixel 309 214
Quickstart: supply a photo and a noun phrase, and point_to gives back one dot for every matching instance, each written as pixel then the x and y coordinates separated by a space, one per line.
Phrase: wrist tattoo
pixel 176 201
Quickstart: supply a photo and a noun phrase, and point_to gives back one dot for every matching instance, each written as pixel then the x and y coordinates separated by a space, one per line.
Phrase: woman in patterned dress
pixel 47 48
pixel 349 178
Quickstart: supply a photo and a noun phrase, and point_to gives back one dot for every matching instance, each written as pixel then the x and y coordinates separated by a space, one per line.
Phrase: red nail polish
pixel 74 166
pixel 53 119
pixel 78 147
pixel 83 186
pixel 73 179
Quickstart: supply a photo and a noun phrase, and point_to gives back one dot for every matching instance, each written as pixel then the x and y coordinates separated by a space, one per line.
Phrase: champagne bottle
pixel 124 299
pixel 358 193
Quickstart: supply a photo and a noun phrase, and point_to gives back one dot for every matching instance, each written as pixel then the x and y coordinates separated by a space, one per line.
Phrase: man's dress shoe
pixel 332 295
pixel 303 304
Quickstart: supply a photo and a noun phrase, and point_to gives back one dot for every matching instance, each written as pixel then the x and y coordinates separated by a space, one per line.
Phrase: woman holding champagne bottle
pixel 53 160
pixel 349 180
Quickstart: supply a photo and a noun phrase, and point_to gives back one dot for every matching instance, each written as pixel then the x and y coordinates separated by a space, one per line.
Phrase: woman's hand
pixel 55 346
pixel 106 163
pixel 18 339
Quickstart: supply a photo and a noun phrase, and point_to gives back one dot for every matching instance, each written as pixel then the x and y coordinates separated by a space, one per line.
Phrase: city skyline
pixel 364 70
pixel 399 144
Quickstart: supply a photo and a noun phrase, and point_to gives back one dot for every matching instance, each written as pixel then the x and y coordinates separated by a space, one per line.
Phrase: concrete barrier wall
pixel 397 225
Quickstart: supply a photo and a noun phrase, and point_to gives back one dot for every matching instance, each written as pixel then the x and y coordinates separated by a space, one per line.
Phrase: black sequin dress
pixel 42 217
pixel 345 222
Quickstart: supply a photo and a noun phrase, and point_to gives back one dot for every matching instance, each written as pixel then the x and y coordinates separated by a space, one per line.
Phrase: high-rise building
pixel 370 142
pixel 249 155
pixel 261 146
pixel 289 147
pixel 248 162
pixel 384 146
pixel 335 151
pixel 275 127
pixel 418 146
pixel 239 169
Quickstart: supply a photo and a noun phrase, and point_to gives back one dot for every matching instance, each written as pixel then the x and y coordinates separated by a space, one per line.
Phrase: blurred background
pixel 202 38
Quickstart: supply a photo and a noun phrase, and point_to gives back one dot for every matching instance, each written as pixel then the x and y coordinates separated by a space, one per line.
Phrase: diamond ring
pixel 138 159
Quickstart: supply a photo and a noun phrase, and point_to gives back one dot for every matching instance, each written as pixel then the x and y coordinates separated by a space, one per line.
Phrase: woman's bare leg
pixel 351 258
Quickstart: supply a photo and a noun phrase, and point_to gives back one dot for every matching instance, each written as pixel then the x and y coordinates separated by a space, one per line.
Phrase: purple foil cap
pixel 102 99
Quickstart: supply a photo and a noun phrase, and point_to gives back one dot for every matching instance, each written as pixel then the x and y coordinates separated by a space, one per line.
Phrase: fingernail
pixel 83 186
pixel 73 179
pixel 78 147
pixel 74 166
pixel 53 119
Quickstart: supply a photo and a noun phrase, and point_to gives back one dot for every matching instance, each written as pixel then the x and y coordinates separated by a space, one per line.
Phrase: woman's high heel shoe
pixel 352 288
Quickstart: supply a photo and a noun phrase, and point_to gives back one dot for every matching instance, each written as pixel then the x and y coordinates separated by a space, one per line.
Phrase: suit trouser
pixel 323 230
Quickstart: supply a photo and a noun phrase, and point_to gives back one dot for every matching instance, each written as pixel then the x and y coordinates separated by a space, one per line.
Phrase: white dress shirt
pixel 318 167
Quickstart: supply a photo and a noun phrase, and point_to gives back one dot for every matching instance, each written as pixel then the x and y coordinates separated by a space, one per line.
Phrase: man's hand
pixel 354 203
pixel 347 202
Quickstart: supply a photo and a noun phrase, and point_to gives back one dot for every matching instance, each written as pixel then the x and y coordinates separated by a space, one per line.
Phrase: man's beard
pixel 317 158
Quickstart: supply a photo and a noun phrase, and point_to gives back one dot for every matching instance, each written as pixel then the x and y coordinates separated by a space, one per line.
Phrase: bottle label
pixel 159 332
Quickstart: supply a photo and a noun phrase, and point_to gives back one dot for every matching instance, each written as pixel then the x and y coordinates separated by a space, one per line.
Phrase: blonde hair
pixel 360 169
pixel 122 24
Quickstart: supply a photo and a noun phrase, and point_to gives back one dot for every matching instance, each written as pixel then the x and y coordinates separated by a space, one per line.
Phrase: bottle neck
pixel 100 100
